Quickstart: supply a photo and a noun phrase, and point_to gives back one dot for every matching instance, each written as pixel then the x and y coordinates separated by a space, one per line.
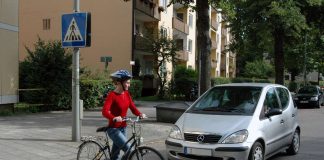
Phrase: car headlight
pixel 314 98
pixel 237 137
pixel 175 133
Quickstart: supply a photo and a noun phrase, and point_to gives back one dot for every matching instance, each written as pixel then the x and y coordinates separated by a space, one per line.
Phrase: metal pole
pixel 76 88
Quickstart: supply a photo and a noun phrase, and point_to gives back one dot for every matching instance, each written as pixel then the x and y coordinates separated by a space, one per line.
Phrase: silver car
pixel 237 122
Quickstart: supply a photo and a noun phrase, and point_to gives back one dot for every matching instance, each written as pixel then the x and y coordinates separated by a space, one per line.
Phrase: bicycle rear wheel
pixel 91 150
pixel 145 153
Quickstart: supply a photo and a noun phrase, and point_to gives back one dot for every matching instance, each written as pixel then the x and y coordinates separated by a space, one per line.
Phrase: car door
pixel 289 113
pixel 272 126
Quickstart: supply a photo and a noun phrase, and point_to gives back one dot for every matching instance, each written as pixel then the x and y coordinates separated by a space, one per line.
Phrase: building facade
pixel 119 27
pixel 8 53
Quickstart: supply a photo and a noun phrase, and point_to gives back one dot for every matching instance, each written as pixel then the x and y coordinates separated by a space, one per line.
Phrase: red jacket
pixel 117 105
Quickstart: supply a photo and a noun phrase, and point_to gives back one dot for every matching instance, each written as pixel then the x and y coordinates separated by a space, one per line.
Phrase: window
pixel 163 32
pixel 137 29
pixel 164 4
pixel 190 20
pixel 180 16
pixel 190 45
pixel 271 100
pixel 284 97
pixel 46 24
pixel 179 43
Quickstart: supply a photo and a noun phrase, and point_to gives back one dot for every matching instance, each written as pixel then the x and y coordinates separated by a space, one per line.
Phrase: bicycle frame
pixel 134 144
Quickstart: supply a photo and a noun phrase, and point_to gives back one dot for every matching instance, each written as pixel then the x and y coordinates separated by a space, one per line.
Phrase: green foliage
pixel 47 68
pixel 93 92
pixel 136 88
pixel 165 50
pixel 220 80
pixel 242 80
pixel 184 80
pixel 258 69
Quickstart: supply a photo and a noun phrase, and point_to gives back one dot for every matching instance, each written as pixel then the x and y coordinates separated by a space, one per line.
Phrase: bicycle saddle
pixel 102 129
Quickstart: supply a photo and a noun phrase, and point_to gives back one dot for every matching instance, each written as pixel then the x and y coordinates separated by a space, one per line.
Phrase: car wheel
pixel 295 143
pixel 256 152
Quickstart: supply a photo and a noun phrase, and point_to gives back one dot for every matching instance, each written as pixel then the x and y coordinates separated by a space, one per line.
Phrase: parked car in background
pixel 309 96
pixel 237 122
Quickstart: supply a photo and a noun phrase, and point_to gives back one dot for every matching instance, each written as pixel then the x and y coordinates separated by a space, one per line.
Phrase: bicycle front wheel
pixel 145 153
pixel 91 150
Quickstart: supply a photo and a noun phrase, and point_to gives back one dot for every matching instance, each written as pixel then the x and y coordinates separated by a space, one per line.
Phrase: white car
pixel 243 121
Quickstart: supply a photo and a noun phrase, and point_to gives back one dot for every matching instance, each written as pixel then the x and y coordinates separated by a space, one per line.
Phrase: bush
pixel 220 80
pixel 93 92
pixel 241 80
pixel 293 87
pixel 258 69
pixel 184 80
pixel 48 69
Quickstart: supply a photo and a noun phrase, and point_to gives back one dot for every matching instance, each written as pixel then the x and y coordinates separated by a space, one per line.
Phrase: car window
pixel 271 100
pixel 283 95
pixel 228 100
pixel 308 90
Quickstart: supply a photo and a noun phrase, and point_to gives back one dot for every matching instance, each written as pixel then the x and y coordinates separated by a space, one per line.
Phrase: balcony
pixel 214 44
pixel 179 25
pixel 140 43
pixel 183 55
pixel 213 63
pixel 149 8
pixel 214 24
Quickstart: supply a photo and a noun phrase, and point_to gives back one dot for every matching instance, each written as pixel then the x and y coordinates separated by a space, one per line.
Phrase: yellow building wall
pixel 111 29
pixel 8 51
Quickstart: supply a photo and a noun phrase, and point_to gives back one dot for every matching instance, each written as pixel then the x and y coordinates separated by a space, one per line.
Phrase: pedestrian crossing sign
pixel 76 30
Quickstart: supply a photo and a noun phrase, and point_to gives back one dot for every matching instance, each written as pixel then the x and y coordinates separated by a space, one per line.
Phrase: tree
pixel 258 69
pixel 265 23
pixel 164 50
pixel 48 67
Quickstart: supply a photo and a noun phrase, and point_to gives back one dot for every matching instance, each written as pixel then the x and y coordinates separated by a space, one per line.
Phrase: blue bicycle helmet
pixel 121 75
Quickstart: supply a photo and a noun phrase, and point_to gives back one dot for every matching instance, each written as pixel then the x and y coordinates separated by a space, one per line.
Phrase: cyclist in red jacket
pixel 115 108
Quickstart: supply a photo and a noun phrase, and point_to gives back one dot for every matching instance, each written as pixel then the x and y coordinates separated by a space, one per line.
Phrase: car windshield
pixel 308 90
pixel 228 100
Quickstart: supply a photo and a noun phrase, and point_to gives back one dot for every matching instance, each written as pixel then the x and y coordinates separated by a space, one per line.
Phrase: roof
pixel 251 84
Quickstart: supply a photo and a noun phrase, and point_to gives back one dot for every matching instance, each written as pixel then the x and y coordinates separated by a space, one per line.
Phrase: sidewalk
pixel 48 135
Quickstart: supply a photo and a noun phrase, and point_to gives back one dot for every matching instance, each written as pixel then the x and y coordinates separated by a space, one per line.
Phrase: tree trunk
pixel 204 44
pixel 279 56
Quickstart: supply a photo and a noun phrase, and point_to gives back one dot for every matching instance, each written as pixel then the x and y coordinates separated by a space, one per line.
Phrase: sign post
pixel 75 34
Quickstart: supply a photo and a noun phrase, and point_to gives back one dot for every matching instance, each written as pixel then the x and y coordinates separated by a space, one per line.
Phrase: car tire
pixel 295 144
pixel 257 152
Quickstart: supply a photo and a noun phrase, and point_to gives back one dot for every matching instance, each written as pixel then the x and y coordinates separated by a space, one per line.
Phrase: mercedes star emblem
pixel 200 138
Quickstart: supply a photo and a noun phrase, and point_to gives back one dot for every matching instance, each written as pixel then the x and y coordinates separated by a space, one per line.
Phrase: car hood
pixel 215 124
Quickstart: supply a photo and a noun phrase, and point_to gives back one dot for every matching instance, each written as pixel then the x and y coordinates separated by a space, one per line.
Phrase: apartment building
pixel 223 63
pixel 8 53
pixel 119 29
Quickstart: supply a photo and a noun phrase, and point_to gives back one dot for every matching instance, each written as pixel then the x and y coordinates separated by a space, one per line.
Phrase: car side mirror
pixel 273 112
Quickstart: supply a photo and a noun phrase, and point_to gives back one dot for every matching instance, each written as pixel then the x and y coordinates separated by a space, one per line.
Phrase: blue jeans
pixel 118 136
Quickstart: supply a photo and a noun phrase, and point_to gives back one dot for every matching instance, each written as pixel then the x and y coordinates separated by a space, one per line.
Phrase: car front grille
pixel 202 138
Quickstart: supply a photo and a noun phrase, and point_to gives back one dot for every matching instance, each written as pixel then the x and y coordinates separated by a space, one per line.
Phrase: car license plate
pixel 303 101
pixel 197 151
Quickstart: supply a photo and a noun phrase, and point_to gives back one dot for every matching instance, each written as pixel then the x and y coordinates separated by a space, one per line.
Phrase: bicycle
pixel 91 148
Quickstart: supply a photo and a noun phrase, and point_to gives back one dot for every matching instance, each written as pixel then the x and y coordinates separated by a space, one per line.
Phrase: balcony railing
pixel 214 24
pixel 183 55
pixel 213 63
pixel 179 25
pixel 140 43
pixel 214 44
pixel 148 7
